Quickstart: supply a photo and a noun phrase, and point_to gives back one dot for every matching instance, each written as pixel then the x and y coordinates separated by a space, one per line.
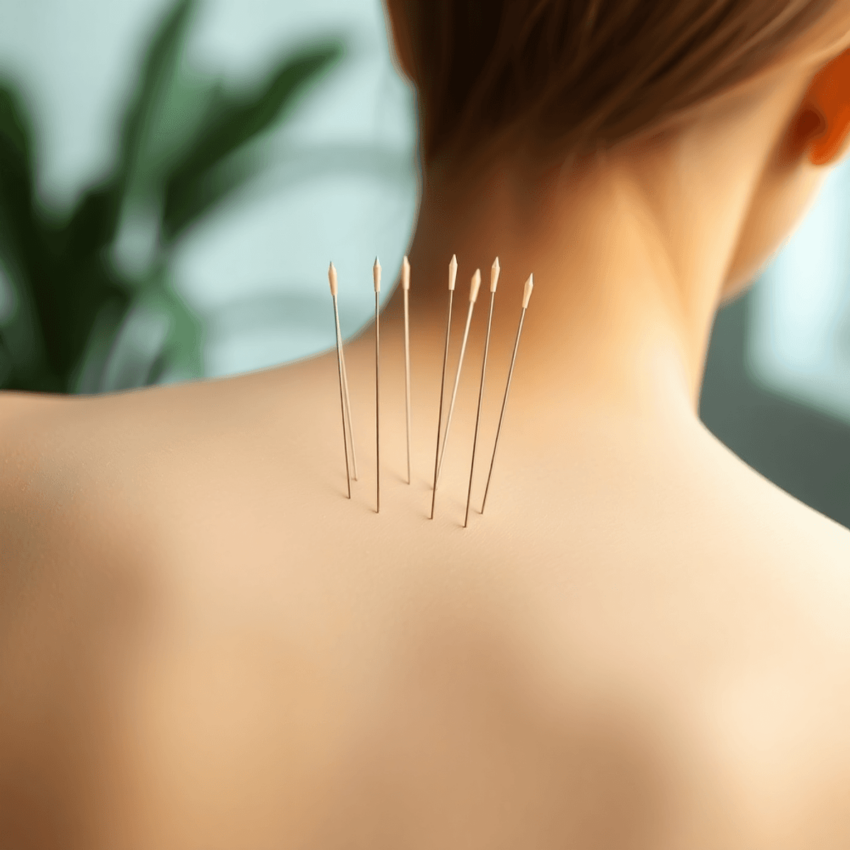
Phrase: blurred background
pixel 176 174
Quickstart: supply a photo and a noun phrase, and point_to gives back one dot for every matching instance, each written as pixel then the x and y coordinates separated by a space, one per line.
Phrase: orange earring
pixel 830 92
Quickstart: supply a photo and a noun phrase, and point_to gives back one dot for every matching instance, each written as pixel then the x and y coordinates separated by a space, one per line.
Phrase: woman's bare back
pixel 206 644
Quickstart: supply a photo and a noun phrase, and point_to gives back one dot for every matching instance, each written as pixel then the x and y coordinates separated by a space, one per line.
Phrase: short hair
pixel 583 75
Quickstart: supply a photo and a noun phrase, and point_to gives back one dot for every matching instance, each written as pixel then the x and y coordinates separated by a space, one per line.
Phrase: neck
pixel 623 304
pixel 632 255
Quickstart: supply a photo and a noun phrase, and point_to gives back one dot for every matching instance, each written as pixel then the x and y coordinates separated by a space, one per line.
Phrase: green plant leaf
pixel 94 223
pixel 159 71
pixel 183 149
pixel 25 250
pixel 87 281
pixel 90 230
pixel 84 297
pixel 235 123
pixel 15 129
pixel 182 350
pixel 158 334
pixel 185 110
pixel 87 376
pixel 16 181
pixel 201 196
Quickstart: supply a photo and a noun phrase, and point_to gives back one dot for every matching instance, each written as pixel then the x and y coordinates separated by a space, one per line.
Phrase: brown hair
pixel 583 75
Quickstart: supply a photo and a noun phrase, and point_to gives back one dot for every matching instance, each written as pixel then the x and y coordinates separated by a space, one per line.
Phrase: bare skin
pixel 642 643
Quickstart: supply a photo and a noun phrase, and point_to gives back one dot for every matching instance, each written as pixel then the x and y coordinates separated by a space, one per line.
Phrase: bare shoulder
pixel 774 720
pixel 24 420
pixel 89 475
pixel 699 585
pixel 795 534
pixel 72 597
pixel 35 489
pixel 17 407
pixel 62 534
pixel 677 645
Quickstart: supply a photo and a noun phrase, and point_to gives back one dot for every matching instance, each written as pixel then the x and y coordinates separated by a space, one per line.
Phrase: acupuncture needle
pixel 405 284
pixel 494 282
pixel 348 415
pixel 529 287
pixel 473 297
pixel 332 276
pixel 377 276
pixel 452 282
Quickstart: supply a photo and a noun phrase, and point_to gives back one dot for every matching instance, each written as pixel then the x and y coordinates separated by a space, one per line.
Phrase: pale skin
pixel 642 643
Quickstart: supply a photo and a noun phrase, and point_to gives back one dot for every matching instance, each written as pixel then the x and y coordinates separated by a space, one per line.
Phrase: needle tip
pixel 529 287
pixel 405 274
pixel 476 285
pixel 453 273
pixel 494 275
pixel 332 277
pixel 377 275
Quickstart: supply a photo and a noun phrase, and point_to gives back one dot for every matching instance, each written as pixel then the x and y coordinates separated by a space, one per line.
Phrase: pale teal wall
pixel 344 187
pixel 800 328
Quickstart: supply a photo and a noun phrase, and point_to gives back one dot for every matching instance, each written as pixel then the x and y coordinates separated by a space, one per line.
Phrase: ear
pixel 822 125
pixel 399 37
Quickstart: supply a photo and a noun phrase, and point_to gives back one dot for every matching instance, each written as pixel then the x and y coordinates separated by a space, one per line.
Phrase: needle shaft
pixel 452 278
pixel 333 281
pixel 406 287
pixel 480 403
pixel 347 402
pixel 476 283
pixel 377 273
pixel 529 286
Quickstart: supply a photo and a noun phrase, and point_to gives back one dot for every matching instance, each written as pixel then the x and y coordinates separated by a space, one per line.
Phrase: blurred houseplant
pixel 182 152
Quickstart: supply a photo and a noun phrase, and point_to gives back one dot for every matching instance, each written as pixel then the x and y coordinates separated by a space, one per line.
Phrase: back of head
pixel 583 75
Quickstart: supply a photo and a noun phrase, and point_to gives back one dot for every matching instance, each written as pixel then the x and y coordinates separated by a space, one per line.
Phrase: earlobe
pixel 828 108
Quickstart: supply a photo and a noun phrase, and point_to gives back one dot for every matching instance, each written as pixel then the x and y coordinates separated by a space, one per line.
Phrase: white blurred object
pixel 799 340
